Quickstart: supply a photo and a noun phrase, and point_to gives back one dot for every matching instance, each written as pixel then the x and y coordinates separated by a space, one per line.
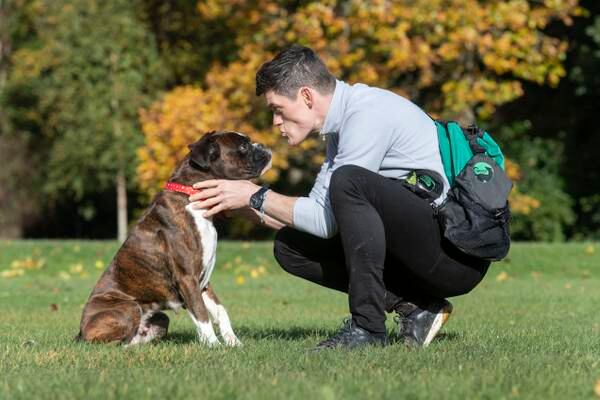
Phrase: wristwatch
pixel 257 199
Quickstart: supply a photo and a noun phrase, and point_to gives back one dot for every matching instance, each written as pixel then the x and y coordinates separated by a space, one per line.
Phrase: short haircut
pixel 291 69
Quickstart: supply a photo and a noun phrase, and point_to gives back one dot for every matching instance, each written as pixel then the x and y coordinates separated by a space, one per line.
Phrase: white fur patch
pixel 208 238
pixel 144 333
pixel 205 330
pixel 219 315
pixel 174 305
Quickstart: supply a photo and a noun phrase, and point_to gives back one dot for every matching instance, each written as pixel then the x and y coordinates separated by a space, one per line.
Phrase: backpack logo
pixel 483 171
pixel 427 182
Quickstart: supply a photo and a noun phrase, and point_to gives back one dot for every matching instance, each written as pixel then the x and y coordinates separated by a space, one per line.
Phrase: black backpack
pixel 475 215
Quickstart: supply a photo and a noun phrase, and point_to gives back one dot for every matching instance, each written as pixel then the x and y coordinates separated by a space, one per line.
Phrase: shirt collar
pixel 333 120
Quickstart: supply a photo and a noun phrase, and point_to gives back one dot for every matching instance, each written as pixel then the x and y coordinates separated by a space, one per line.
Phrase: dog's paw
pixel 231 340
pixel 209 341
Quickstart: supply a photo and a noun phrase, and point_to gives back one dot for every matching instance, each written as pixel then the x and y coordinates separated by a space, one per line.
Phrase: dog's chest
pixel 208 239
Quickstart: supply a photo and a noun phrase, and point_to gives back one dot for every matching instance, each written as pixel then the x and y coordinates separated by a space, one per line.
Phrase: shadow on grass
pixel 294 333
pixel 291 333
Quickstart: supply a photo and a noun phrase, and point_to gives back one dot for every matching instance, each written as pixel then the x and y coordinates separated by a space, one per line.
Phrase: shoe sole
pixel 440 319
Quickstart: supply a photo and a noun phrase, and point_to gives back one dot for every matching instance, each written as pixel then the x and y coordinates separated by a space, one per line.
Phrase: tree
pixel 91 67
pixel 457 58
pixel 561 145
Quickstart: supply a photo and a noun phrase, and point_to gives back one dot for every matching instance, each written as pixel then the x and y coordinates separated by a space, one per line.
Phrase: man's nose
pixel 277 120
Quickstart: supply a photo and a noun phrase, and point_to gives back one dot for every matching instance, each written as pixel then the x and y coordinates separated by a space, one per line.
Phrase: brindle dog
pixel 166 261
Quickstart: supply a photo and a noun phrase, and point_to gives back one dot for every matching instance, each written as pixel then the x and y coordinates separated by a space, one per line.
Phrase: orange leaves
pixel 471 55
pixel 520 203
pixel 181 118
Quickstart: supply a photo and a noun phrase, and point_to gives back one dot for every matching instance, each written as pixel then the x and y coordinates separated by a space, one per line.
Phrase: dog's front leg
pixel 219 315
pixel 197 309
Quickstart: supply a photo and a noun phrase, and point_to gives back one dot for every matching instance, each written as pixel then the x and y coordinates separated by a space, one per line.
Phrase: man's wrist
pixel 257 199
pixel 261 212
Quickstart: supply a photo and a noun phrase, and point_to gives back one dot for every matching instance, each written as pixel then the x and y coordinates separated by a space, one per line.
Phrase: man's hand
pixel 218 195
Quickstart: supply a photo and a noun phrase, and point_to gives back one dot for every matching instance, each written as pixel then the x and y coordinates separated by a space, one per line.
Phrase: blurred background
pixel 99 98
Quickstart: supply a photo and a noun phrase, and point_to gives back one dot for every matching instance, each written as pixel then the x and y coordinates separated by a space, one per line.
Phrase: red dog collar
pixel 176 187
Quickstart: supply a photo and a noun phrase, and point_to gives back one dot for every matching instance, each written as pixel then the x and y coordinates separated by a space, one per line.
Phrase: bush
pixel 539 160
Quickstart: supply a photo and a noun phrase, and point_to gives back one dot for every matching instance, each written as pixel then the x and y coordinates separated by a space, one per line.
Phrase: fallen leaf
pixel 590 249
pixel 53 307
pixel 11 273
pixel 502 277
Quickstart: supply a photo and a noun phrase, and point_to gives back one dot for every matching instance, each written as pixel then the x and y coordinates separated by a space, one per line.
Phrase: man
pixel 361 230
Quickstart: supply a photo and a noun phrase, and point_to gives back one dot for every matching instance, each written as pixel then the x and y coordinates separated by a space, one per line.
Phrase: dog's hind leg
pixel 117 324
pixel 219 315
pixel 190 291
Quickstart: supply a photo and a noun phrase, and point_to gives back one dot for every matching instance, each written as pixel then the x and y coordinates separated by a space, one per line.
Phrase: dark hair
pixel 291 69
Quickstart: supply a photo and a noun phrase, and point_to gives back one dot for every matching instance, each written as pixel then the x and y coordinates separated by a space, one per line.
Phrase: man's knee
pixel 344 181
pixel 282 250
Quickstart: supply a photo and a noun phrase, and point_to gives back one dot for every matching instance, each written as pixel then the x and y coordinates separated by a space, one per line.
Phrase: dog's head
pixel 229 155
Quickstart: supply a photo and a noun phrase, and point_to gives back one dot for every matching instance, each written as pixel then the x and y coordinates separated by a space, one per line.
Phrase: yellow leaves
pixel 590 249
pixel 477 54
pixel 502 277
pixel 12 273
pixel 28 263
pixel 20 266
pixel 597 388
pixel 244 271
pixel 240 280
pixel 522 204
pixel 512 169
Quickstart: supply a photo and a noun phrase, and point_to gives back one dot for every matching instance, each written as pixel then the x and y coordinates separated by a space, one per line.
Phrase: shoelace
pixel 344 331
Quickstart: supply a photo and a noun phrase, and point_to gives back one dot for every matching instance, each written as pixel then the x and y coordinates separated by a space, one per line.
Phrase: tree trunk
pixel 121 206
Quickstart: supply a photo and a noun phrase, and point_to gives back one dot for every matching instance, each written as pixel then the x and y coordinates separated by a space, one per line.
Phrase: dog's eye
pixel 244 147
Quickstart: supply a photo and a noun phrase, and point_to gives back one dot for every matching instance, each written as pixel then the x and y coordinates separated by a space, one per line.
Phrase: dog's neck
pixel 185 174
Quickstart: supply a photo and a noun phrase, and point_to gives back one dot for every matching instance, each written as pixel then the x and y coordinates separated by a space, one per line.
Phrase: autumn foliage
pixel 457 59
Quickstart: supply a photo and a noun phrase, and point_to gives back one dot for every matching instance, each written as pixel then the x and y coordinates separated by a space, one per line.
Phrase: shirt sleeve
pixel 313 214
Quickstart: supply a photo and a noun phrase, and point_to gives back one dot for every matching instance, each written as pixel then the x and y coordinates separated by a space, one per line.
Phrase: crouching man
pixel 361 230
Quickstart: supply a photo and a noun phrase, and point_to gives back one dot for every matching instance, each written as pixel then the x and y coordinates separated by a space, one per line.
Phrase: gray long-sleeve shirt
pixel 375 129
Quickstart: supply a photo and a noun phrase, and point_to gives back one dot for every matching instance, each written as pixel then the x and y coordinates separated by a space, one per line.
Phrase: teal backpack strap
pixel 492 149
pixel 457 146
pixel 445 151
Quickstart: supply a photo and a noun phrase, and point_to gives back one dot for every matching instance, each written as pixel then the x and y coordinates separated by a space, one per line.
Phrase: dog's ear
pixel 204 151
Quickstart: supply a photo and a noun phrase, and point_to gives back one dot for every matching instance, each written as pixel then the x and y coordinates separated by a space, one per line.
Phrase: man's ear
pixel 204 151
pixel 307 96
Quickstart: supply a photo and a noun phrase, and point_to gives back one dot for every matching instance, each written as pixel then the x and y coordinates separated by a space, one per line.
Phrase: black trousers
pixel 389 249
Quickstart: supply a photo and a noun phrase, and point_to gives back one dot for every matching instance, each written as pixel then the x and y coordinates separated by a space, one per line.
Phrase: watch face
pixel 257 198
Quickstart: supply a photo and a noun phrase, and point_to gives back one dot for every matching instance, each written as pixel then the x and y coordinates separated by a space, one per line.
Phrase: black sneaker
pixel 351 336
pixel 421 325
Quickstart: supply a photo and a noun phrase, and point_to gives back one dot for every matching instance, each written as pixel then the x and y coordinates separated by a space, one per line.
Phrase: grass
pixel 530 331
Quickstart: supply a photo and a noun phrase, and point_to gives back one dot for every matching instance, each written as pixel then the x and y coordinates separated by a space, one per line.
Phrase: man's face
pixel 294 118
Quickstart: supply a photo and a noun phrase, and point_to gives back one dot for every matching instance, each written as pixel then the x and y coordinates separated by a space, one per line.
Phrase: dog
pixel 167 260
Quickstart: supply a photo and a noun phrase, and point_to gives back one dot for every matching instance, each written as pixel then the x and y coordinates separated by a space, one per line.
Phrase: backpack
pixel 475 215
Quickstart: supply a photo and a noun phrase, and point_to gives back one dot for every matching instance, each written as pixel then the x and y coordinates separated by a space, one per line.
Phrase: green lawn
pixel 531 330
